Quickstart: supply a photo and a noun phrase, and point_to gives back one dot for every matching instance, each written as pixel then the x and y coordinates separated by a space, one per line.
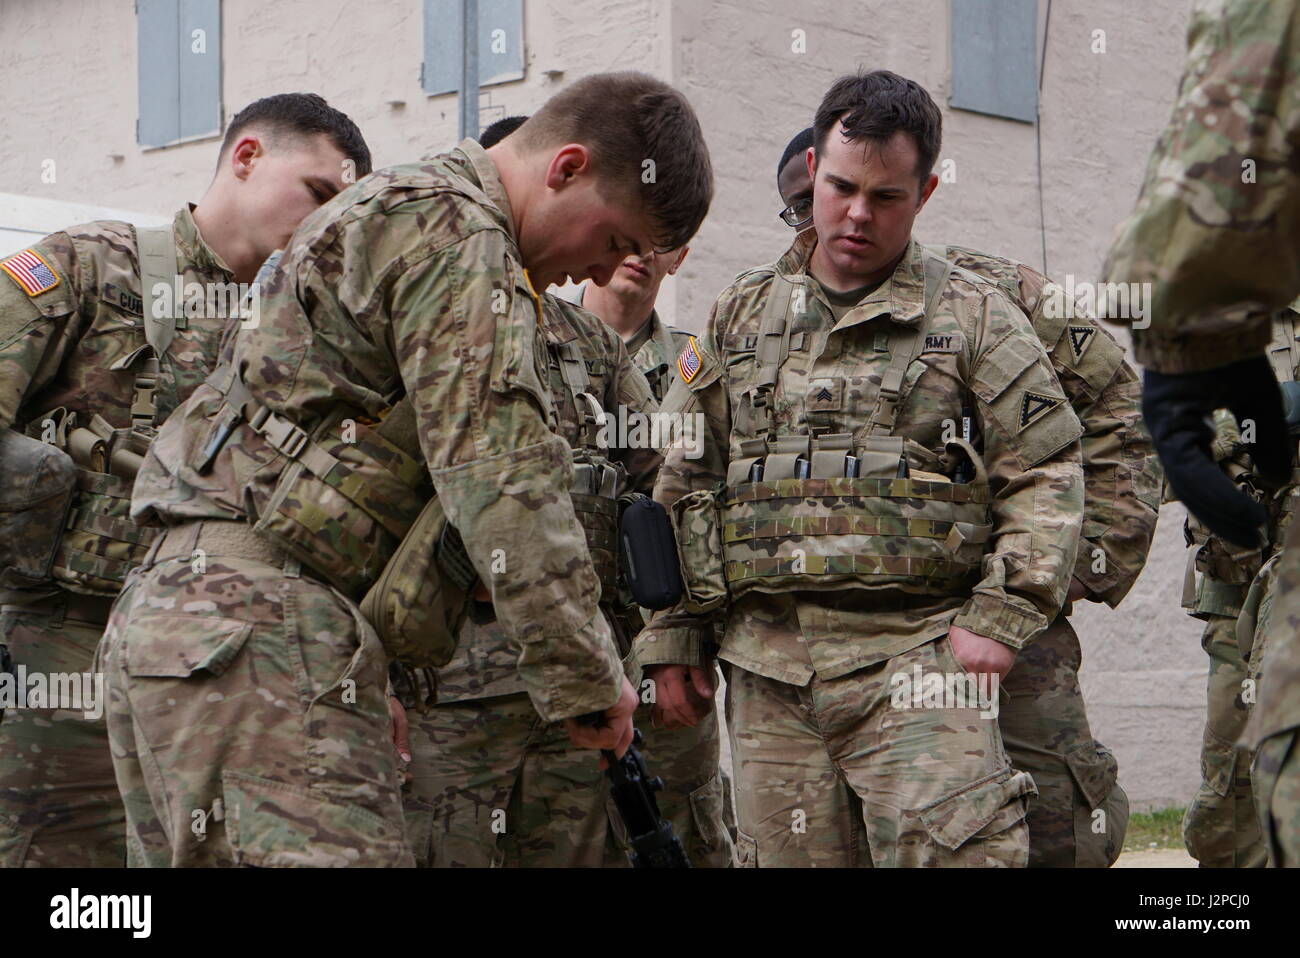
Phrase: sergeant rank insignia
pixel 688 363
pixel 1034 406
pixel 30 271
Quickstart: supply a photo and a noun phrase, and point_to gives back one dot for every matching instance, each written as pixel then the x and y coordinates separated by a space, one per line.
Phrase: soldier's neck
pixel 225 236
pixel 626 315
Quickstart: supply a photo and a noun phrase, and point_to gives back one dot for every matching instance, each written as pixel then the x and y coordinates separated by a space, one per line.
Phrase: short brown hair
pixel 875 106
pixel 301 114
pixel 626 119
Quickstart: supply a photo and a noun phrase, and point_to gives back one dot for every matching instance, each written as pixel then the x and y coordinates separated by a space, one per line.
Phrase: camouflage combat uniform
pixel 1215 233
pixel 79 347
pixel 829 770
pixel 501 785
pixel 1220 828
pixel 246 690
pixel 688 759
pixel 1045 723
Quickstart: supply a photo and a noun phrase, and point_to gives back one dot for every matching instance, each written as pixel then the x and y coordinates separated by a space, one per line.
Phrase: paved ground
pixel 1156 858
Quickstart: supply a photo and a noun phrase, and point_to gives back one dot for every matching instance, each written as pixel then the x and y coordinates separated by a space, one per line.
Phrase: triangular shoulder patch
pixel 1081 338
pixel 1034 406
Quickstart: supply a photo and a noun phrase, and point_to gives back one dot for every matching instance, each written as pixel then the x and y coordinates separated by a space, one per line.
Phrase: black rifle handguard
pixel 654 843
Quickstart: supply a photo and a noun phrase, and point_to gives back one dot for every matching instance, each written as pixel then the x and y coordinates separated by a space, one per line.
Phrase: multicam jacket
pixel 73 338
pixel 980 354
pixel 410 282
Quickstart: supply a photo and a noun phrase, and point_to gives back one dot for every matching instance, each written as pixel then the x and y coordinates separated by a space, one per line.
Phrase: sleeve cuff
pixel 1109 586
pixel 572 675
pixel 1172 354
pixel 1005 619
pixel 682 645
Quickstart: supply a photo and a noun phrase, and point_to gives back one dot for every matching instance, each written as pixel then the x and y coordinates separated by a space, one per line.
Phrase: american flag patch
pixel 30 271
pixel 688 363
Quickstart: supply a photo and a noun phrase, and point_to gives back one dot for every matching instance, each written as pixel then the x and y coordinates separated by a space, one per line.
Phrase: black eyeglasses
pixel 799 212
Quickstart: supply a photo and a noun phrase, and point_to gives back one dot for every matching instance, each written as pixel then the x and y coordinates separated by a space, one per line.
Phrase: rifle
pixel 654 844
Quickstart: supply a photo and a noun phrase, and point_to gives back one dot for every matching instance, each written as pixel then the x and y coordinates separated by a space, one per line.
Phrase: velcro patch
pixel 1034 406
pixel 943 343
pixel 30 271
pixel 688 363
pixel 1081 338
pixel 825 395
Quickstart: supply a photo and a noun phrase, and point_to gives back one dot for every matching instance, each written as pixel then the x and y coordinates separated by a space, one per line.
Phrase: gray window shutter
pixel 179 54
pixel 994 57
pixel 500 44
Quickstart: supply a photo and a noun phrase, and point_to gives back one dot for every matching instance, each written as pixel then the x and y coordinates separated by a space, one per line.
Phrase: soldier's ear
pixel 811 159
pixel 927 189
pixel 244 155
pixel 567 162
pixel 681 258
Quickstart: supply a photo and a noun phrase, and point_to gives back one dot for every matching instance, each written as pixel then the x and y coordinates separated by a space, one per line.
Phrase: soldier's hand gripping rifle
pixel 654 844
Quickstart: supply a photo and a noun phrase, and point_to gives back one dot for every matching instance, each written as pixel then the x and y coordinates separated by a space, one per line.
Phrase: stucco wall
pixel 76 62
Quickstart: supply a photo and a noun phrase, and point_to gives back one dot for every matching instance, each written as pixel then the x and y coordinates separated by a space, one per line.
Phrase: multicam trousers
pixel 500 787
pixel 1220 828
pixel 248 718
pixel 837 773
pixel 1081 814
pixel 59 804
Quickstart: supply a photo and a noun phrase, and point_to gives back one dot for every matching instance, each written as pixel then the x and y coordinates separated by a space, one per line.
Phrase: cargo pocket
pixel 176 647
pixel 746 851
pixel 706 817
pixel 980 824
pixel 1101 818
pixel 278 825
pixel 1218 763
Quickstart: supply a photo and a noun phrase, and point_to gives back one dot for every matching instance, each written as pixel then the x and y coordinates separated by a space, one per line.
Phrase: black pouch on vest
pixel 649 553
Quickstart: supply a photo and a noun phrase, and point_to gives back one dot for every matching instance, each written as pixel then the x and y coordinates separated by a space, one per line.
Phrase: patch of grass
pixel 1148 830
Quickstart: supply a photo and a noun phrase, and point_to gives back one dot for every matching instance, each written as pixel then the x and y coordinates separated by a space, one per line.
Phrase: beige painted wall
pixel 1100 115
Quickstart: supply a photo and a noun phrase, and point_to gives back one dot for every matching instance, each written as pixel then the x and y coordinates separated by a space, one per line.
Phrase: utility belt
pixel 801 513
pixel 217 538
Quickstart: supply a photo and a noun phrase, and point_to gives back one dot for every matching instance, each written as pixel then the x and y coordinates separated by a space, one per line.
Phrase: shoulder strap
pixel 573 369
pixel 772 349
pixel 157 246
pixel 904 345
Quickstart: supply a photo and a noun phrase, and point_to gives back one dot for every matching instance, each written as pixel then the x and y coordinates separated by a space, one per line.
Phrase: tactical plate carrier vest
pixel 834 511
pixel 98 543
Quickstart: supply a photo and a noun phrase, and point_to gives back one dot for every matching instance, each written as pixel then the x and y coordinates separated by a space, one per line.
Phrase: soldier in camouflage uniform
pixel 246 689
pixel 1214 234
pixel 840 588
pixel 500 785
pixel 79 368
pixel 1220 828
pixel 687 758
pixel 1045 723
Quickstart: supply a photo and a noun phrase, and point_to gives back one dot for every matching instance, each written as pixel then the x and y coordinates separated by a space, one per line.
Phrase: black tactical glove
pixel 1178 407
